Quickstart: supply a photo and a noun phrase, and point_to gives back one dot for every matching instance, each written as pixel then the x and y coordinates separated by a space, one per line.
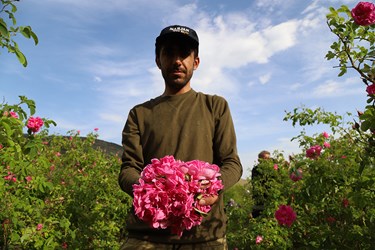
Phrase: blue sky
pixel 95 61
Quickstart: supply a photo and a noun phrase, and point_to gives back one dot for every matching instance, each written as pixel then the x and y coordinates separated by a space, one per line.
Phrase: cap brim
pixel 163 38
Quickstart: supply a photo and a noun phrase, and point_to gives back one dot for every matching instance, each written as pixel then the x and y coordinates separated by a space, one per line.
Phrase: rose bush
pixel 334 198
pixel 56 191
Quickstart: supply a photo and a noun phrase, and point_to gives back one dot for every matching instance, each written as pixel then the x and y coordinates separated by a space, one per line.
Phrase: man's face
pixel 177 63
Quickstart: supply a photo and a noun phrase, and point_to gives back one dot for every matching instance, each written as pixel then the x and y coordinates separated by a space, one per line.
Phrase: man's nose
pixel 177 58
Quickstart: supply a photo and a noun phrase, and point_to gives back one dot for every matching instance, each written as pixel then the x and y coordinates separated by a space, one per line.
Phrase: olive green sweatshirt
pixel 190 126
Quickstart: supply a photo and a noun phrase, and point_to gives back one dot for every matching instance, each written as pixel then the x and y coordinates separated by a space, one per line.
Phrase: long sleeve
pixel 132 158
pixel 225 146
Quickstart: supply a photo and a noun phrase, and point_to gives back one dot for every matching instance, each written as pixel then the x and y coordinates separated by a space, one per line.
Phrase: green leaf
pixel 25 31
pixel 365 125
pixel 21 57
pixel 34 36
pixel 3 28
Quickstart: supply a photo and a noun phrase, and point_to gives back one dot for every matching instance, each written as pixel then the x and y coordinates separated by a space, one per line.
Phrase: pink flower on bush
pixel 28 178
pixel 259 239
pixel 364 13
pixel 64 245
pixel 371 89
pixel 325 135
pixel 34 124
pixel 326 144
pixel 296 175
pixel 10 177
pixel 276 167
pixel 313 152
pixel 39 227
pixel 285 215
pixel 169 190
pixel 96 129
pixel 331 219
pixel 13 114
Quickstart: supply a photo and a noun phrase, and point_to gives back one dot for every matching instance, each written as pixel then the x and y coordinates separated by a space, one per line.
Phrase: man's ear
pixel 196 62
pixel 157 61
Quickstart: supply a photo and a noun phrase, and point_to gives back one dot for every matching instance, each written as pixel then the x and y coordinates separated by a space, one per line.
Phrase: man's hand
pixel 208 200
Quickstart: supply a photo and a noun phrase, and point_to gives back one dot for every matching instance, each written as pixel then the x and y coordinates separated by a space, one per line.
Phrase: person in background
pixel 189 125
pixel 258 196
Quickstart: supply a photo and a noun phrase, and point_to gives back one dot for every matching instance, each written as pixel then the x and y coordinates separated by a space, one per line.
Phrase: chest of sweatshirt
pixel 182 126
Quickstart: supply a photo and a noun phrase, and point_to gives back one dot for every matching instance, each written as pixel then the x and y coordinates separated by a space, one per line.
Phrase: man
pixel 188 125
pixel 259 181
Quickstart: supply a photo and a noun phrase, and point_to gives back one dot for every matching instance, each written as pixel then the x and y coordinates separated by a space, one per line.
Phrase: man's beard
pixel 176 85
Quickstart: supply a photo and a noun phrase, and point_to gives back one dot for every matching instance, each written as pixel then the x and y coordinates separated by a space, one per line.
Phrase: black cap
pixel 180 30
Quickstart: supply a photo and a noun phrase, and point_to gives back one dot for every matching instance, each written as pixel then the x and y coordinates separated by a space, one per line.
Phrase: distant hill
pixel 108 147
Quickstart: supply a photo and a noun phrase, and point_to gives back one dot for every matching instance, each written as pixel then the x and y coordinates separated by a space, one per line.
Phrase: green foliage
pixel 354 49
pixel 57 191
pixel 355 45
pixel 9 29
pixel 333 200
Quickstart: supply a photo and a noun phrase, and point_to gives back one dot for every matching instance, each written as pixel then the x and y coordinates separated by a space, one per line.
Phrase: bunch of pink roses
pixel 169 190
pixel 313 152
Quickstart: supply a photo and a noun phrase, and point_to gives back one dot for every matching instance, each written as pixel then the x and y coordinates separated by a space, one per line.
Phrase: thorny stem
pixel 346 51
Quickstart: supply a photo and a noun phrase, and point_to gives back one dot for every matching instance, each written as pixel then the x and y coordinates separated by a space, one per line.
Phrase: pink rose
pixel 10 177
pixel 371 89
pixel 364 13
pixel 313 152
pixel 345 202
pixel 34 124
pixel 39 227
pixel 276 167
pixel 259 239
pixel 326 144
pixel 296 175
pixel 28 178
pixel 285 215
pixel 330 219
pixel 13 114
pixel 325 135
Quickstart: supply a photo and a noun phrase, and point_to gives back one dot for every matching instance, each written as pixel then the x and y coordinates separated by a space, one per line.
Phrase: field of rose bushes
pixel 59 192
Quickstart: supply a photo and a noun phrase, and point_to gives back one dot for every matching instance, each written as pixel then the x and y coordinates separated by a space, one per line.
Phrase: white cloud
pixel 97 79
pixel 341 87
pixel 108 68
pixel 265 78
